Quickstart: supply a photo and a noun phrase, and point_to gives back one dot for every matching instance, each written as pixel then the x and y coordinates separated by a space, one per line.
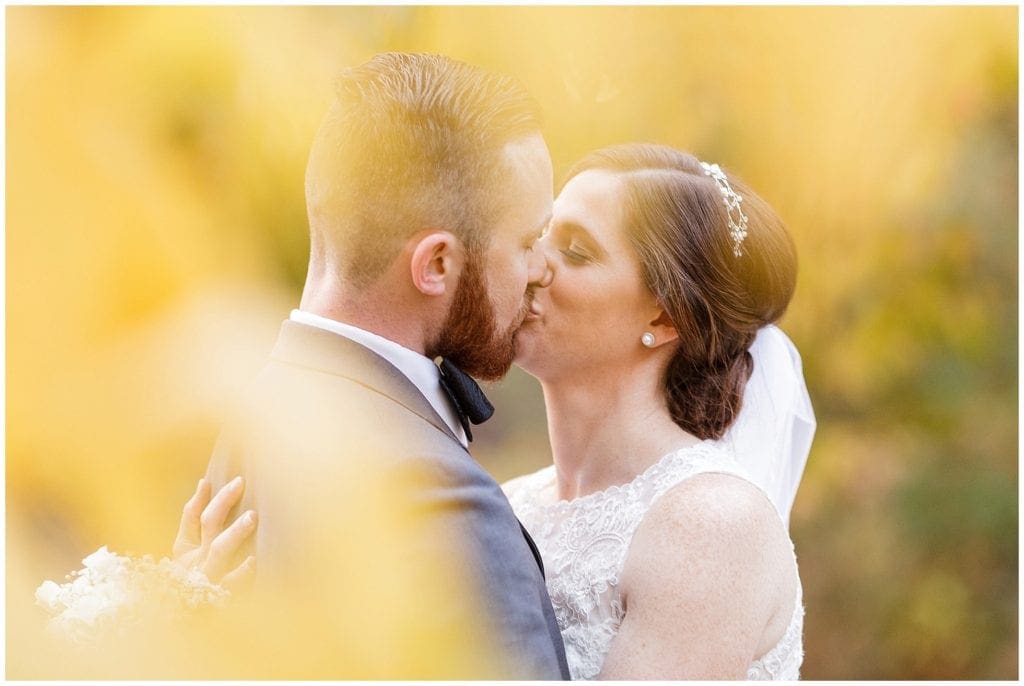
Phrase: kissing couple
pixel 643 299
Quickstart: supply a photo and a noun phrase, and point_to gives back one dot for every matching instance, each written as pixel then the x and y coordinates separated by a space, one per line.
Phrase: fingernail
pixel 250 518
pixel 199 486
pixel 236 482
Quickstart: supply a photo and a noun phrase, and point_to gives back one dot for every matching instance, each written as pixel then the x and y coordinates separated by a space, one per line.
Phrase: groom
pixel 426 187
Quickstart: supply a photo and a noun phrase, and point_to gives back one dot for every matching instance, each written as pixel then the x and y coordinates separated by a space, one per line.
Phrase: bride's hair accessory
pixel 648 339
pixel 732 200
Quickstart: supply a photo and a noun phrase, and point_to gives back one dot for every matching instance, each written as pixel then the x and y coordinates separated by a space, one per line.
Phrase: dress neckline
pixel 615 489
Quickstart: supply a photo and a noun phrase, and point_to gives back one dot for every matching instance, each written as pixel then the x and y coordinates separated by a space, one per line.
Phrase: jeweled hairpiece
pixel 732 200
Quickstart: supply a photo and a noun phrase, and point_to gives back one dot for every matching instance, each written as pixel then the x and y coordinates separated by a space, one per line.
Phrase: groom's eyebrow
pixel 542 229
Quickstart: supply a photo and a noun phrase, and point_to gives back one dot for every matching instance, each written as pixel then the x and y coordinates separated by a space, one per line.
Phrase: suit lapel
pixel 308 346
pixel 533 548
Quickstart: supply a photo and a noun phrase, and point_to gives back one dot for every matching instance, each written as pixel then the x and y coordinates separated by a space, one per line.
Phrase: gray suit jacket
pixel 354 476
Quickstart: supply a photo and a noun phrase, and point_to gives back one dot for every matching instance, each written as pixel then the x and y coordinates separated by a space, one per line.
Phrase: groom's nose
pixel 541 271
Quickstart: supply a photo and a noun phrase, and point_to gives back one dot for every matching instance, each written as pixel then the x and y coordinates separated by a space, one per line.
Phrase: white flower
pixel 112 592
pixel 104 562
pixel 48 594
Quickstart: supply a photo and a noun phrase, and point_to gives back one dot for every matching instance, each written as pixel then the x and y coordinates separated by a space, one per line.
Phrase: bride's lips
pixel 532 314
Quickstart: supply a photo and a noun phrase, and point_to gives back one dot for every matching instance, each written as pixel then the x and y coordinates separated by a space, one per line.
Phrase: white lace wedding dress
pixel 584 543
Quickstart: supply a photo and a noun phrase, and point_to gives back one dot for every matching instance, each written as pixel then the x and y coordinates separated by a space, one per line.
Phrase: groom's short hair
pixel 412 142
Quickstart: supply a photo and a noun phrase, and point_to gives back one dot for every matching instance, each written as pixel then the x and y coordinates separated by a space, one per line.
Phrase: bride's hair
pixel 679 226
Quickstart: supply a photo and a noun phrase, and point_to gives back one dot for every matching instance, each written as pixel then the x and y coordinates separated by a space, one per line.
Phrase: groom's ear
pixel 436 262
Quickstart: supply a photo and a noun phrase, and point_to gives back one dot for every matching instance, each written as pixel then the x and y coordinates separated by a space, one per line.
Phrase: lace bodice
pixel 584 543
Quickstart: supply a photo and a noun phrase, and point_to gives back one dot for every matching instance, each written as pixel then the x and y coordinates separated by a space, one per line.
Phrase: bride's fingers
pixel 216 513
pixel 242 575
pixel 224 548
pixel 188 536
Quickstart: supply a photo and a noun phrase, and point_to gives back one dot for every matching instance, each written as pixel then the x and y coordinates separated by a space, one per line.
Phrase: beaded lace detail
pixel 584 543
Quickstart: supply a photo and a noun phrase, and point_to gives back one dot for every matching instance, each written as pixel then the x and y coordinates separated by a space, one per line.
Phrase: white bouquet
pixel 114 593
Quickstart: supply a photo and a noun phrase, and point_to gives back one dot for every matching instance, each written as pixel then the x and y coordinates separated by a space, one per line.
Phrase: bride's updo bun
pixel 680 229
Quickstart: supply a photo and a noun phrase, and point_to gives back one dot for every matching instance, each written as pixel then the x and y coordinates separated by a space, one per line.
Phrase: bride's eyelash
pixel 574 256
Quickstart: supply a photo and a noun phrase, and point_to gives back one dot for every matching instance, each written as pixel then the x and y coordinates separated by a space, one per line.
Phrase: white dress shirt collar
pixel 420 370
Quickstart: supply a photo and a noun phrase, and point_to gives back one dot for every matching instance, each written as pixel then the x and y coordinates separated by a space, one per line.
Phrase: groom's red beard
pixel 469 337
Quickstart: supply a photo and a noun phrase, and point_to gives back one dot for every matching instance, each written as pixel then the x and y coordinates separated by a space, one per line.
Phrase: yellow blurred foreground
pixel 156 237
pixel 360 599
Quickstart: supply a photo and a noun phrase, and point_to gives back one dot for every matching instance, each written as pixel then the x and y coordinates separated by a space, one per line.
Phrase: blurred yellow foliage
pixel 156 237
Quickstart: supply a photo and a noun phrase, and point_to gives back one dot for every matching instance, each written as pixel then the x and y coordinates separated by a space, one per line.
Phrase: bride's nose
pixel 541 265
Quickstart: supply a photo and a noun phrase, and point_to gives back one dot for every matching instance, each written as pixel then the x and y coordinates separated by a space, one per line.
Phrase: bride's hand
pixel 205 542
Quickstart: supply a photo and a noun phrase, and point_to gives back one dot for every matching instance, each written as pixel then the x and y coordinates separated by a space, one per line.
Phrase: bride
pixel 665 558
pixel 679 426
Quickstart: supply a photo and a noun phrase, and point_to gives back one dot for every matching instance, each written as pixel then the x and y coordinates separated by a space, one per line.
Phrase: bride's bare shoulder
pixel 716 524
pixel 706 579
pixel 713 502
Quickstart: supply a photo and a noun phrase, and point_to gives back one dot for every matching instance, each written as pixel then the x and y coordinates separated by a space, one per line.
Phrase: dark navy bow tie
pixel 470 402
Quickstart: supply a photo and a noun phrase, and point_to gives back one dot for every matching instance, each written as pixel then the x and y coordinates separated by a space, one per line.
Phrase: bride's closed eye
pixel 575 255
pixel 574 242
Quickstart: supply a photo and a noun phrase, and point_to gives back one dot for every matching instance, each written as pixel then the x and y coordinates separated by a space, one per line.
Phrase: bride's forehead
pixel 593 180
pixel 591 197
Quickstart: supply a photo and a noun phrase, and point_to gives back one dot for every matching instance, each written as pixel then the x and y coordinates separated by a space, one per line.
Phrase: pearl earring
pixel 648 339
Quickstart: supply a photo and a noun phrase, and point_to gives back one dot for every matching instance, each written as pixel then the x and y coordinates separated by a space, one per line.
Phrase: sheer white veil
pixel 772 436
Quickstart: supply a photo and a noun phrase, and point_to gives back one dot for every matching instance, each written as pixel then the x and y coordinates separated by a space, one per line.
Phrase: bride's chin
pixel 533 360
pixel 525 354
pixel 526 368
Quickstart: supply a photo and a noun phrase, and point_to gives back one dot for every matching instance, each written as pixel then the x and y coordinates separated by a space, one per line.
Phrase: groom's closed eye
pixel 533 237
